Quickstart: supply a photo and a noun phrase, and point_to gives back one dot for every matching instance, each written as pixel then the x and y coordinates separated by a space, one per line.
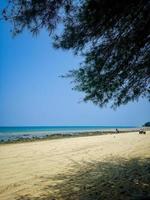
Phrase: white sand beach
pixel 30 169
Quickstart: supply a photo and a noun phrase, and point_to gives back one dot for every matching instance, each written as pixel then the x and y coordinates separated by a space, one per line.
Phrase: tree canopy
pixel 113 37
pixel 147 124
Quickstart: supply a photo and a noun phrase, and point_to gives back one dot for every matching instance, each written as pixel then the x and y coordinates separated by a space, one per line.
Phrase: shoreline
pixel 29 138
pixel 110 166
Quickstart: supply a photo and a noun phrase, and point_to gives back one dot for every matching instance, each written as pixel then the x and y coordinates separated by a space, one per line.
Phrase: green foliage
pixel 147 124
pixel 113 37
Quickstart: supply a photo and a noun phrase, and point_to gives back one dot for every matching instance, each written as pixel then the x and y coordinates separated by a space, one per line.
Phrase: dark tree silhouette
pixel 113 36
pixel 147 124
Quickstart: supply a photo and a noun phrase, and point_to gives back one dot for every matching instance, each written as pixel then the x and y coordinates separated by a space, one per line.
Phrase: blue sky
pixel 32 93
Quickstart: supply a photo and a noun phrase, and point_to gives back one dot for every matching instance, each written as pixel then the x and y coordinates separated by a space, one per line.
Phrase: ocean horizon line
pixel 24 126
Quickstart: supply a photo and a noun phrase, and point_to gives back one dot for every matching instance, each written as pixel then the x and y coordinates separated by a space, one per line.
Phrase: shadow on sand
pixel 115 179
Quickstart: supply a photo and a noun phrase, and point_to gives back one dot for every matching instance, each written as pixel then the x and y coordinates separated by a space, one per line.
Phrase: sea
pixel 13 133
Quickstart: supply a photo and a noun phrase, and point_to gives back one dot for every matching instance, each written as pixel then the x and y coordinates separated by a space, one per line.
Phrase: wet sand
pixel 34 170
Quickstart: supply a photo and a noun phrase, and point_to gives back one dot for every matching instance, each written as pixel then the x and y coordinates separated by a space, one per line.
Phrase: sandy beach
pixel 69 168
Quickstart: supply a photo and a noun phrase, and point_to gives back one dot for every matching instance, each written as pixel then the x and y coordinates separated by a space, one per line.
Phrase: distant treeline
pixel 147 124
